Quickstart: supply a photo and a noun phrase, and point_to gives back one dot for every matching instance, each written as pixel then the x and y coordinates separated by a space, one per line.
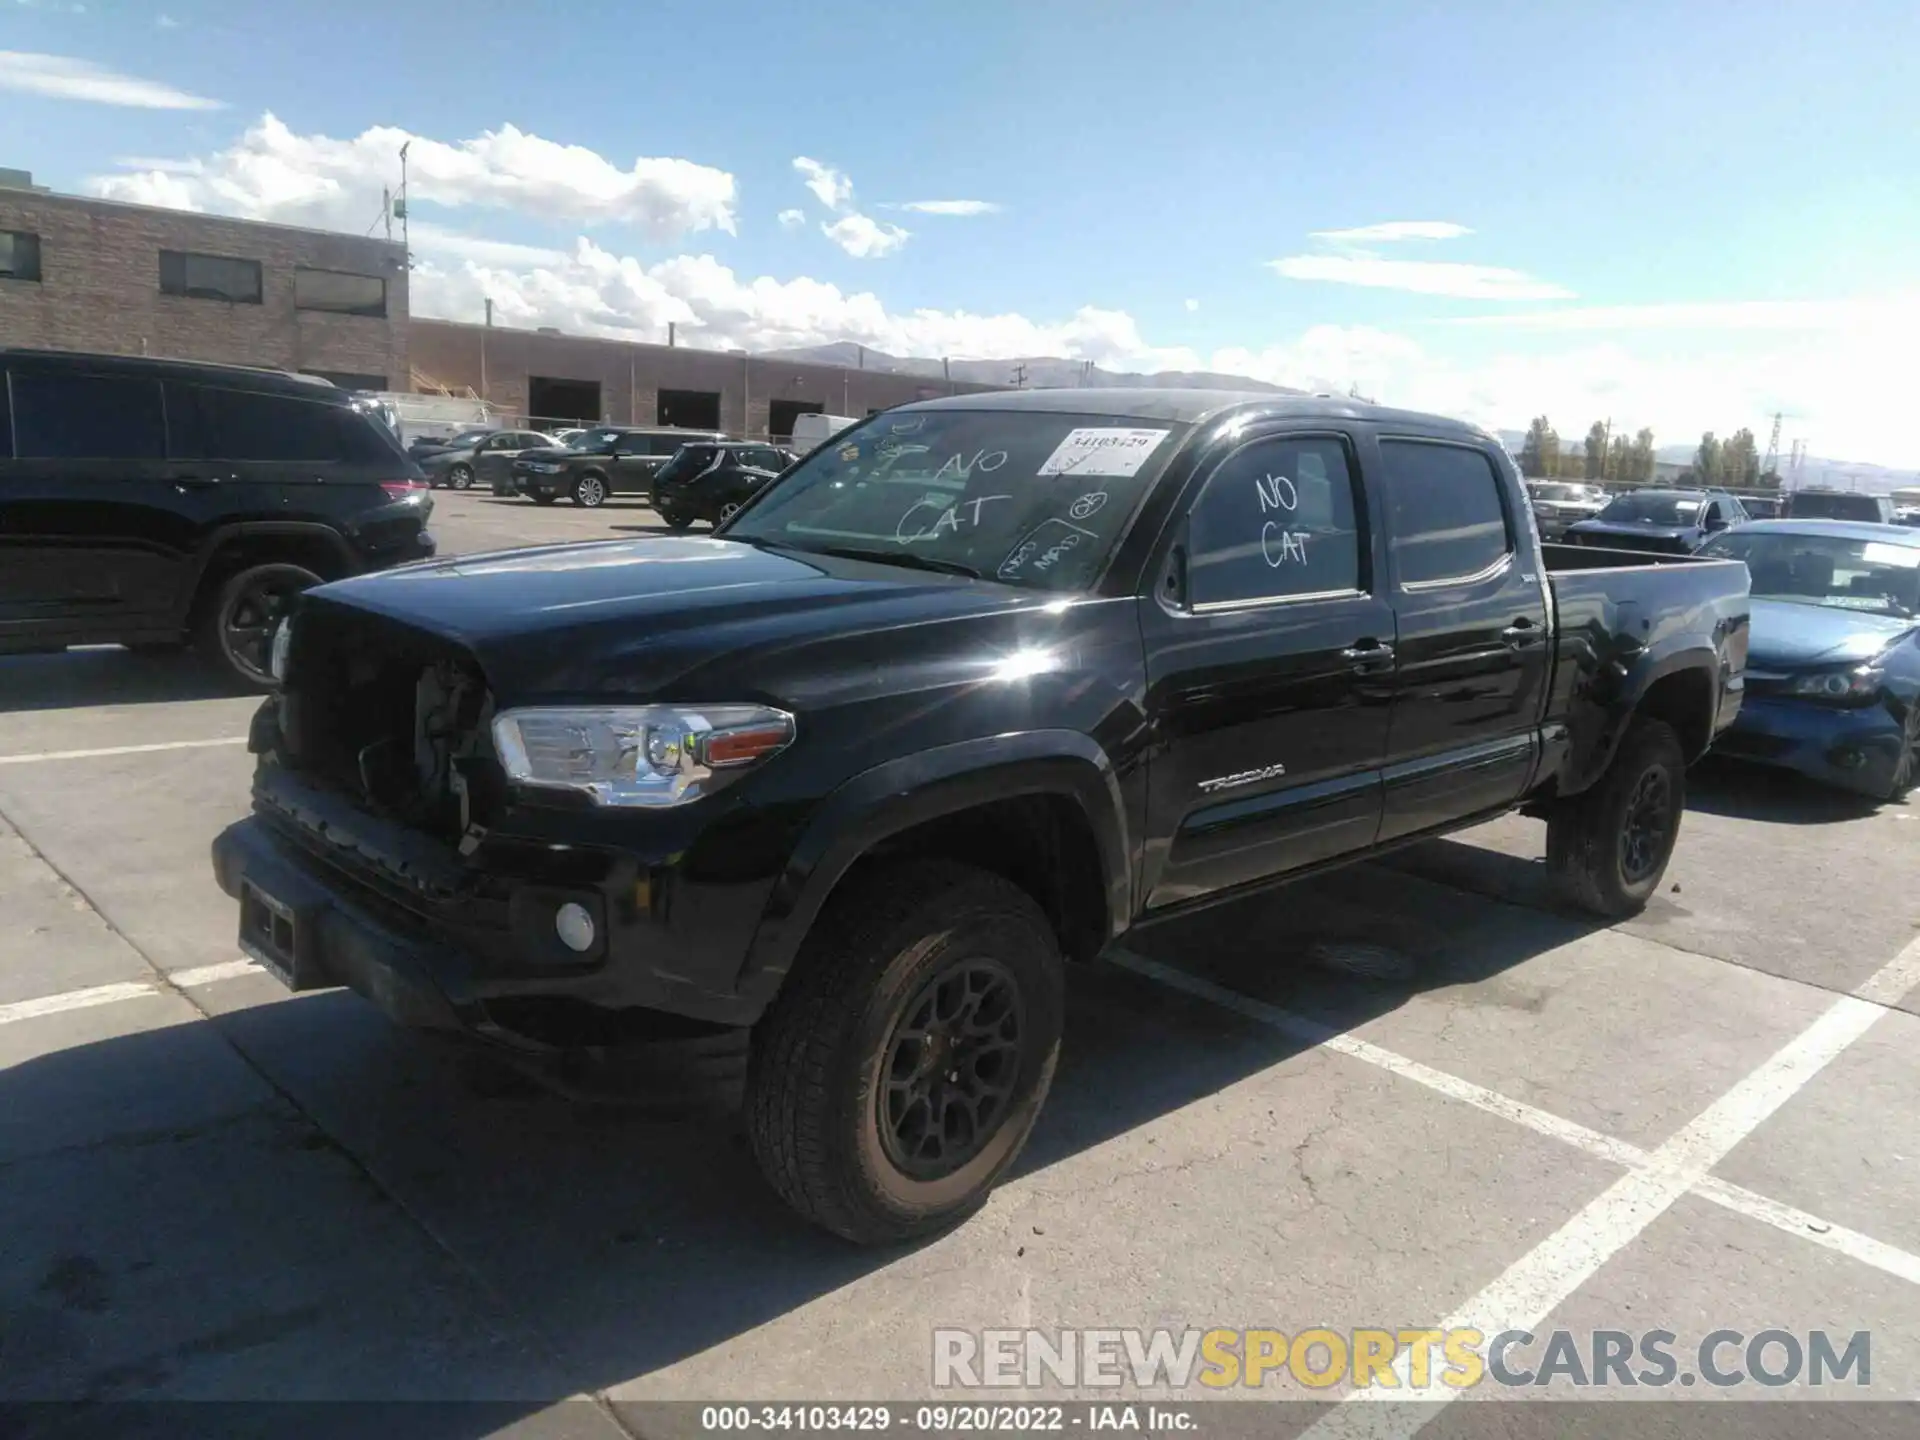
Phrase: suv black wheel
pixel 460 477
pixel 674 520
pixel 590 491
pixel 236 628
pixel 1609 846
pixel 899 1072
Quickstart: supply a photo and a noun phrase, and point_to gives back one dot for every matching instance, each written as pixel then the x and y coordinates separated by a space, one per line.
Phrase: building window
pixel 209 277
pixel 339 292
pixel 19 255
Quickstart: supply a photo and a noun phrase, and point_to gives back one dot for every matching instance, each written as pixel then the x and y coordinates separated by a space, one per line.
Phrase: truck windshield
pixel 1654 509
pixel 1022 497
pixel 1836 570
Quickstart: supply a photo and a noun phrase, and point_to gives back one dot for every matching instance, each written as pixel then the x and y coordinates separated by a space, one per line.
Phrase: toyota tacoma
pixel 964 696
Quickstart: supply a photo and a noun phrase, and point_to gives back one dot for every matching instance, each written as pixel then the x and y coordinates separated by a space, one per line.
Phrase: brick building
pixel 545 375
pixel 84 274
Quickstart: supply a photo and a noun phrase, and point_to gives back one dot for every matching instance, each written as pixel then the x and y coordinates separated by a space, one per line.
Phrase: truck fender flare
pixel 900 794
pixel 1645 671
pixel 222 535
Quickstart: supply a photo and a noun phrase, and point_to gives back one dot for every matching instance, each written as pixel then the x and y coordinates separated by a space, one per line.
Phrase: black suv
pixel 157 502
pixel 595 464
pixel 710 481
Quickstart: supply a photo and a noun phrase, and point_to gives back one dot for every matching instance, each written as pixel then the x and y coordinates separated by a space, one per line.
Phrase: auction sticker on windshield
pixel 1102 450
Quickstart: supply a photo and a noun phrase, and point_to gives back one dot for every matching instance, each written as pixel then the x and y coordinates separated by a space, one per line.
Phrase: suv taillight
pixel 404 489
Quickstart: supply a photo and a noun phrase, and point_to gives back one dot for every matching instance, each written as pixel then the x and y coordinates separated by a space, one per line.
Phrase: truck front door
pixel 1470 602
pixel 1269 660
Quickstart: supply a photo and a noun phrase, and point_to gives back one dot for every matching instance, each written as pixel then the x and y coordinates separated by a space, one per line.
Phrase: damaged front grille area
pixel 396 720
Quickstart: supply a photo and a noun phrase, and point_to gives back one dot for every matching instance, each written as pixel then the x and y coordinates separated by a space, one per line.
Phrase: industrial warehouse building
pixel 85 274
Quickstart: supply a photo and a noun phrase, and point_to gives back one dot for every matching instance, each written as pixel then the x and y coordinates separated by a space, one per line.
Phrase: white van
pixel 810 432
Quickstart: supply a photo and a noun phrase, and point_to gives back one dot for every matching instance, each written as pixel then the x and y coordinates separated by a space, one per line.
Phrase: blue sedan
pixel 1833 653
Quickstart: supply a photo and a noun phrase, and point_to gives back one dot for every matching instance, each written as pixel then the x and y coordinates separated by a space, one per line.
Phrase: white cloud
pixel 865 238
pixel 952 207
pixel 271 173
pixel 165 21
pixel 459 245
pixel 61 77
pixel 791 219
pixel 1422 277
pixel 1192 305
pixel 1699 315
pixel 1391 230
pixel 830 187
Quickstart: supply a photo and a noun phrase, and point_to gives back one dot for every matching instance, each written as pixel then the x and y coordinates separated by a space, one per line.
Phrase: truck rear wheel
pixel 901 1069
pixel 1609 846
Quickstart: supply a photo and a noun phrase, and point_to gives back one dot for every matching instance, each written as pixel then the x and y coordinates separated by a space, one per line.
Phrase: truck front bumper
pixel 315 926
pixel 1852 748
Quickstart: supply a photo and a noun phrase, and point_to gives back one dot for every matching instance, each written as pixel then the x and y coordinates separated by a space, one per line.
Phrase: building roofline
pixel 61 197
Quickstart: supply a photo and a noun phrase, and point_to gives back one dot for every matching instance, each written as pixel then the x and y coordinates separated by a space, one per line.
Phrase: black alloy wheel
pixel 950 1069
pixel 1646 836
pixel 238 628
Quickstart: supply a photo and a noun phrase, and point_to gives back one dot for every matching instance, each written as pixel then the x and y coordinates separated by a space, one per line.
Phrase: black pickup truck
pixel 964 696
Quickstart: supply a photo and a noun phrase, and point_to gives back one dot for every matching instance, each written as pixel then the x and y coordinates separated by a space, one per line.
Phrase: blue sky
pixel 1680 216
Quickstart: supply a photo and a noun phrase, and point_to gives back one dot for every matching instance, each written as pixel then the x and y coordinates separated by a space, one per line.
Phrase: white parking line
pixel 1625 1154
pixel 122 990
pixel 34 757
pixel 1541 1280
pixel 213 974
pixel 74 1000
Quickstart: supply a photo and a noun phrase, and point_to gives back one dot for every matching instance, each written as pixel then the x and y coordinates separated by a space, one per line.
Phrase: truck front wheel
pixel 1609 846
pixel 902 1067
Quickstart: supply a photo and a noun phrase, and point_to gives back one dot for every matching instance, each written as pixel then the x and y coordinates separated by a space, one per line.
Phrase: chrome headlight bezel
pixel 637 756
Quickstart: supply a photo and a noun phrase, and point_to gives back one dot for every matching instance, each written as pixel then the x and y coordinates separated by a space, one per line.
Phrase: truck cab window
pixel 1276 520
pixel 1448 519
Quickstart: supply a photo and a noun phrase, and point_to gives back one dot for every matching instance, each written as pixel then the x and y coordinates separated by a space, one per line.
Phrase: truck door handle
pixel 194 482
pixel 1522 633
pixel 1368 655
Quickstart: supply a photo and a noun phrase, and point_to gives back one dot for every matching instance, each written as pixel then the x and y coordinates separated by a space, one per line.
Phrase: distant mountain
pixel 1042 372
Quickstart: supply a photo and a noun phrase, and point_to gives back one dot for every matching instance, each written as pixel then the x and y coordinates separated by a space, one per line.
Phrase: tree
pixel 1706 461
pixel 1540 451
pixel 1642 458
pixel 1619 458
pixel 1740 460
pixel 1596 457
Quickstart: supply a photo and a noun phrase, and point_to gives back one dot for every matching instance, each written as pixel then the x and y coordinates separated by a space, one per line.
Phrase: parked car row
pixel 686 475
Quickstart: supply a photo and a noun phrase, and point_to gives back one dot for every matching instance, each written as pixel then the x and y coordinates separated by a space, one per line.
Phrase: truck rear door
pixel 1470 605
pixel 1269 646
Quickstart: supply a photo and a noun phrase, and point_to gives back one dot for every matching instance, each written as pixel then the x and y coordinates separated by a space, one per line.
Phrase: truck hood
pixel 630 616
pixel 1786 635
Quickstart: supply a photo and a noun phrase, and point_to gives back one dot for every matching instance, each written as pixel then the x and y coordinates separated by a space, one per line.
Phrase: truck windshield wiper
pixel 893 557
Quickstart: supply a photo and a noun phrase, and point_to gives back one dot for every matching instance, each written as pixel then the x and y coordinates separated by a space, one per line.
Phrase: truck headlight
pixel 1839 686
pixel 277 656
pixel 638 755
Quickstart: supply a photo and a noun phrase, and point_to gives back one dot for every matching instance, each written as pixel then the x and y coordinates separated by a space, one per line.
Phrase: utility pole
pixel 1771 464
pixel 1020 376
pixel 386 210
pixel 405 242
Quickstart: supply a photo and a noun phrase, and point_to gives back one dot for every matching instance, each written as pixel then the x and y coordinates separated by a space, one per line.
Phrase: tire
pixel 590 491
pixel 673 520
pixel 727 512
pixel 543 499
pixel 1906 773
pixel 235 628
pixel 889 952
pixel 460 477
pixel 1601 857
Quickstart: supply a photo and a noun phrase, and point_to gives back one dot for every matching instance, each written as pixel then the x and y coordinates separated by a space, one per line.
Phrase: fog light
pixel 574 926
